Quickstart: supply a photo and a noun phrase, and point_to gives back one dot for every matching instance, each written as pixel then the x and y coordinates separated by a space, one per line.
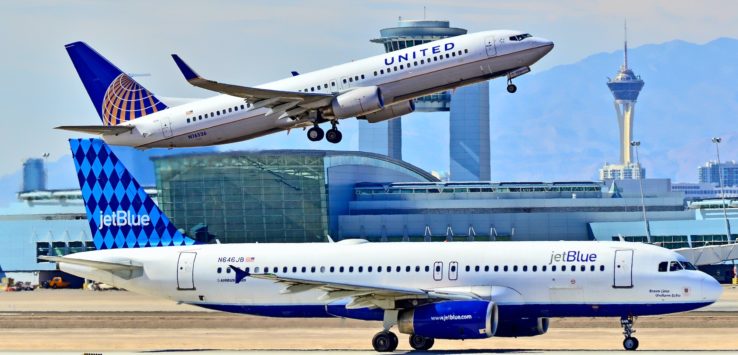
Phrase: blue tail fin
pixel 120 213
pixel 116 96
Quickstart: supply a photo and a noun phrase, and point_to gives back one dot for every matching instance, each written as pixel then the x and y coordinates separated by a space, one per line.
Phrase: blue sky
pixel 253 42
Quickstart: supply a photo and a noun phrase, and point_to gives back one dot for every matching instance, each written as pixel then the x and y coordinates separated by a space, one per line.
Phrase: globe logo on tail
pixel 126 100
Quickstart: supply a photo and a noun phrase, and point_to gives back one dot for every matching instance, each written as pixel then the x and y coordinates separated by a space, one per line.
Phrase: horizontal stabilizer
pixel 100 265
pixel 103 130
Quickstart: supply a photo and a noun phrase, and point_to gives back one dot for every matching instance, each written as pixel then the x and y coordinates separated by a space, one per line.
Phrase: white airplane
pixel 375 89
pixel 431 291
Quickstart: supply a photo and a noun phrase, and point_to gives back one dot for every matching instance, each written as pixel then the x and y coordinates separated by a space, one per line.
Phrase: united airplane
pixel 471 290
pixel 374 89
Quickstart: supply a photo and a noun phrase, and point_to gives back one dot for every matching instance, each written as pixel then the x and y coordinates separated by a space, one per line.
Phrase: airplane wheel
pixel 630 343
pixel 418 342
pixel 315 134
pixel 511 88
pixel 385 342
pixel 333 135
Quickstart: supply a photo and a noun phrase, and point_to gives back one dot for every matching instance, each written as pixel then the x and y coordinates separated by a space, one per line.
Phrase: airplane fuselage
pixel 400 76
pixel 524 279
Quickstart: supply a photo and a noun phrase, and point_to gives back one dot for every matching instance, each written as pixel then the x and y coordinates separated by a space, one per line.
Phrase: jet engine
pixel 524 327
pixel 389 112
pixel 450 320
pixel 357 102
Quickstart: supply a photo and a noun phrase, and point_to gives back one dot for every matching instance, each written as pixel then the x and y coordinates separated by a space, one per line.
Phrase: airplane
pixel 465 290
pixel 375 89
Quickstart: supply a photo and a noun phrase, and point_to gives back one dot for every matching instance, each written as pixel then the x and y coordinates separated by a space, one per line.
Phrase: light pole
pixel 717 141
pixel 637 144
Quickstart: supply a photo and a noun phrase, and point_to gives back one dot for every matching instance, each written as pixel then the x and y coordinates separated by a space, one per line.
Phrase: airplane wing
pixel 363 295
pixel 97 129
pixel 295 102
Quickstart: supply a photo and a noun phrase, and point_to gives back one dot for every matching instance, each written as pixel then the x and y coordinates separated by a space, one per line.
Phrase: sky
pixel 249 43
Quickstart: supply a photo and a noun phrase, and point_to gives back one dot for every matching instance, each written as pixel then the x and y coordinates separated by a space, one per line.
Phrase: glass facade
pixel 246 197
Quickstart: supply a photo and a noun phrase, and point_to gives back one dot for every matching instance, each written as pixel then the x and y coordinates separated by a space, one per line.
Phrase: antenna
pixel 424 13
pixel 625 52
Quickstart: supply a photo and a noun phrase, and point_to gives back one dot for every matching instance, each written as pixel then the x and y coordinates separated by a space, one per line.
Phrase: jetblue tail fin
pixel 117 97
pixel 120 213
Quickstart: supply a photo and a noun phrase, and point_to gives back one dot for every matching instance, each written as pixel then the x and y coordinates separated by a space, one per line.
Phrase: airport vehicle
pixel 375 89
pixel 56 282
pixel 431 291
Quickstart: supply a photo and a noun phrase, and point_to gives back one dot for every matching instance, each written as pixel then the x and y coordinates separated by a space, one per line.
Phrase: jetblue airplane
pixel 375 89
pixel 430 291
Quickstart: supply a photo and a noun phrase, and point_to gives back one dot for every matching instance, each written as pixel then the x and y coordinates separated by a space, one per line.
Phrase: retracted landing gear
pixel 419 342
pixel 385 341
pixel 334 135
pixel 630 342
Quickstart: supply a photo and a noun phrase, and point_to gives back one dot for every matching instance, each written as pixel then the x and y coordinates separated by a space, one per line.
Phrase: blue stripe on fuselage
pixel 510 312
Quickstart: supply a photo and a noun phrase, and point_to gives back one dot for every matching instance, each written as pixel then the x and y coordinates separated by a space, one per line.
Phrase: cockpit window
pixel 675 266
pixel 688 266
pixel 520 37
pixel 663 266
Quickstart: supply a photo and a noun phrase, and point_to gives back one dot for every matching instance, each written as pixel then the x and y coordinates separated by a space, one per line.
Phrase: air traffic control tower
pixel 469 122
pixel 625 88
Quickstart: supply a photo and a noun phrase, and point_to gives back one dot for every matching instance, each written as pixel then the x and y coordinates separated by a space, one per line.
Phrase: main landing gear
pixel 418 342
pixel 630 342
pixel 333 135
pixel 385 341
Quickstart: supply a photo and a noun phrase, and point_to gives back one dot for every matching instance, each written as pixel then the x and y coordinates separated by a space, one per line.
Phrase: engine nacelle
pixel 522 327
pixel 358 102
pixel 389 112
pixel 450 320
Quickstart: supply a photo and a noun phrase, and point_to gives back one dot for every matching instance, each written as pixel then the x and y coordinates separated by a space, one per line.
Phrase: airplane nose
pixel 711 289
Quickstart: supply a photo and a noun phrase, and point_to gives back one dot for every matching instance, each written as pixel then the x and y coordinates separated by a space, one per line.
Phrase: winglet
pixel 240 274
pixel 188 73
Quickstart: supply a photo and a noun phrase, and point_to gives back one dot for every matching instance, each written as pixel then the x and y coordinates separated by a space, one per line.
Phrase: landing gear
pixel 418 342
pixel 334 135
pixel 315 134
pixel 385 341
pixel 630 342
pixel 511 88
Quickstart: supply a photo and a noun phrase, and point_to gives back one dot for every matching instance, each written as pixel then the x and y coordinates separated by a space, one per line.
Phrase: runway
pixel 54 321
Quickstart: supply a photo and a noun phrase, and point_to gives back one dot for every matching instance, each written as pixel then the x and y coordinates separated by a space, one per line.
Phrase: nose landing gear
pixel 630 342
pixel 511 88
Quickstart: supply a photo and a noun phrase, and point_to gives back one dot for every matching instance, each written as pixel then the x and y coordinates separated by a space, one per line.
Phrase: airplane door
pixel 186 271
pixel 623 269
pixel 166 127
pixel 438 271
pixel 489 44
pixel 334 85
pixel 453 270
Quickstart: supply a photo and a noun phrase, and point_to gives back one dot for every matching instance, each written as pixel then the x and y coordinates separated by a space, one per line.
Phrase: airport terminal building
pixel 306 195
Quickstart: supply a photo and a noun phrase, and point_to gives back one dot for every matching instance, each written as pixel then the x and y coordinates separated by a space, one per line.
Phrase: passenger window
pixel 351 80
pixel 553 268
pixel 368 269
pixel 379 269
pixel 356 78
pixel 332 269
pixel 453 54
pixel 325 86
pixel 228 270
pixel 266 269
pixel 515 268
pixel 422 61
pixel 398 269
pixel 447 56
pixel 381 71
pixel 602 267
pixel 312 269
pixel 497 268
pixel 229 110
pixel 340 269
pixel 504 268
pixel 284 270
pixel 361 268
pixel 468 268
pixel 256 270
pixel 304 269
pixel 535 268
pixel 344 81
pixel 188 120
pixel 220 270
pixel 242 107
pixel 466 51
pixel 402 67
pixel 476 268
pixel 375 73
pixel 395 68
pixel 417 268
pixel 525 268
pixel 543 268
pixel 438 268
pixel 563 267
pixel 415 63
pixel 583 268
pixel 427 268
pixel 486 268
pixel 351 269
pixel 407 268
pixel 294 269
pixel 362 76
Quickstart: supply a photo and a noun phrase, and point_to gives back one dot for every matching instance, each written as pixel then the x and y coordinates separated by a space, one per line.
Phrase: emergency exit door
pixel 186 271
pixel 489 43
